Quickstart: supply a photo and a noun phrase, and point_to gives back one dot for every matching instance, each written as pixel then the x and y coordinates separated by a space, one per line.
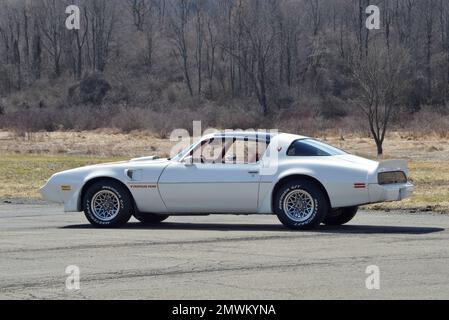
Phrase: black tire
pixel 340 216
pixel 150 218
pixel 120 197
pixel 316 196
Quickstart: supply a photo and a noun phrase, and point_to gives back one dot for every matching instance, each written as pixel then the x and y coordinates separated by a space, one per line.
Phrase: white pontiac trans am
pixel 303 181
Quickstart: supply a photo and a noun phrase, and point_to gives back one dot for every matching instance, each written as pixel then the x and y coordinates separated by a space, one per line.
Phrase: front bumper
pixel 389 192
pixel 65 193
pixel 51 192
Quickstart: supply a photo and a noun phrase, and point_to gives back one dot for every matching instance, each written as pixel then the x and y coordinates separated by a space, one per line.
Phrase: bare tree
pixel 36 52
pixel 380 76
pixel 199 29
pixel 26 34
pixel 429 15
pixel 444 27
pixel 51 20
pixel 256 51
pixel 304 55
pixel 102 17
pixel 314 12
pixel 139 11
pixel 211 42
pixel 179 24
pixel 80 37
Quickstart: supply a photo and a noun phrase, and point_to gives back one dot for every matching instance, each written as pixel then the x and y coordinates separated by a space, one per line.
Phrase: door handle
pixel 253 172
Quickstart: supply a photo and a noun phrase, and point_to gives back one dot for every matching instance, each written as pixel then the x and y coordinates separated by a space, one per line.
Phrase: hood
pixel 149 158
pixel 111 165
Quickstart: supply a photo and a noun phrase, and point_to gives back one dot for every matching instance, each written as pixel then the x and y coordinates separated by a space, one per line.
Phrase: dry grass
pixel 26 162
pixel 103 143
pixel 431 180
pixel 22 175
pixel 112 143
pixel 397 145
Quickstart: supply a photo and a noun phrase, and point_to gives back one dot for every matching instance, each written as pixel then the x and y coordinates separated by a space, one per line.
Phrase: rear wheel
pixel 300 204
pixel 150 218
pixel 340 216
pixel 107 204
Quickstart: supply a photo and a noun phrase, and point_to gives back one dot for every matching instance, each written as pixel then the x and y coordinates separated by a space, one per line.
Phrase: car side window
pixel 303 148
pixel 244 151
pixel 209 151
pixel 229 151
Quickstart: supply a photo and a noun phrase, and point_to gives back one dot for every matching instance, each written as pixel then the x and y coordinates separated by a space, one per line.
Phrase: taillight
pixel 391 177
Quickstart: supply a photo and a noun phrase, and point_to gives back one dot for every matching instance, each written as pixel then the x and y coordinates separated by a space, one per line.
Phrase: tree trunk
pixel 379 146
pixel 36 53
pixel 187 76
pixel 27 38
pixel 17 62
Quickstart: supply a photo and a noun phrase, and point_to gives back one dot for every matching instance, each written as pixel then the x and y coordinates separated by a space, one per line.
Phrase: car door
pixel 210 187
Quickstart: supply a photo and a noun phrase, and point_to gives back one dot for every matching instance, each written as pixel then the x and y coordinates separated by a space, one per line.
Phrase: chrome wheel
pixel 105 205
pixel 299 205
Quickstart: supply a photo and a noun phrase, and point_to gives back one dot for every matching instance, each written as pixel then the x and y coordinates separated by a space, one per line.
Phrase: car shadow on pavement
pixel 346 229
pixel 372 229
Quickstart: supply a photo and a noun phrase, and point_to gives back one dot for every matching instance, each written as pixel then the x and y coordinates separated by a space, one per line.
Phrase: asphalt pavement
pixel 378 255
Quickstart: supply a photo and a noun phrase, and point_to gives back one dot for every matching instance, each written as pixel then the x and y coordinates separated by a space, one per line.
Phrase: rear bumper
pixel 389 192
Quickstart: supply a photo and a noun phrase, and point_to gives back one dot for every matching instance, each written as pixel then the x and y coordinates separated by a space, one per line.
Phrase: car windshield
pixel 181 154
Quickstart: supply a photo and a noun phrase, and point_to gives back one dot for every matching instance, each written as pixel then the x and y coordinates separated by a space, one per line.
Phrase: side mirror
pixel 188 161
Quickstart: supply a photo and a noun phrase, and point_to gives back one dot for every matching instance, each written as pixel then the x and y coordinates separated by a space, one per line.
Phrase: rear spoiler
pixel 393 165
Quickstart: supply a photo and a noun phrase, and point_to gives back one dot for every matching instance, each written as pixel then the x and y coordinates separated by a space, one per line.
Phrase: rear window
pixel 312 148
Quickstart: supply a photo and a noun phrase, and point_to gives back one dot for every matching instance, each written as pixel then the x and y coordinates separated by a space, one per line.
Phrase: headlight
pixel 392 177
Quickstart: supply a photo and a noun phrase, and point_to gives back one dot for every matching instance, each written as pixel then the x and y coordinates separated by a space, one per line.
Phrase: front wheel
pixel 150 218
pixel 340 216
pixel 301 204
pixel 107 204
